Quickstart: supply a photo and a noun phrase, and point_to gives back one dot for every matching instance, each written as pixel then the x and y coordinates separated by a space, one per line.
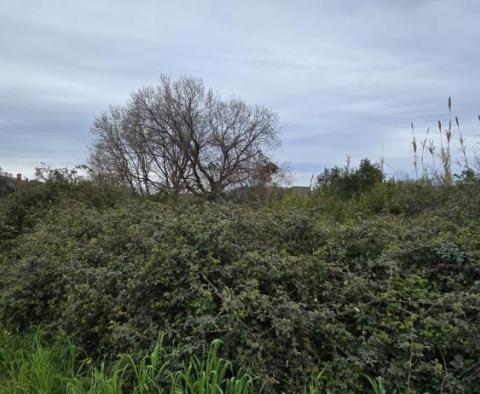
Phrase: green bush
pixel 7 184
pixel 347 182
pixel 388 291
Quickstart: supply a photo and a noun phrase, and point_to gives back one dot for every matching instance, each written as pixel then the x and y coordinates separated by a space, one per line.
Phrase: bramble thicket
pixel 363 284
pixel 384 283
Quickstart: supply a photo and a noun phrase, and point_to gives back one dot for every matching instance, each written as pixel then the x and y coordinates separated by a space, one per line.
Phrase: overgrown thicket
pixel 362 283
pixel 383 283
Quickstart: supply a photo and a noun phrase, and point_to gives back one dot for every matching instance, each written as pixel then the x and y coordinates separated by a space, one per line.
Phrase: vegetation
pixel 364 284
pixel 7 183
pixel 180 137
pixel 347 182
pixel 434 159
pixel 29 365
pixel 385 283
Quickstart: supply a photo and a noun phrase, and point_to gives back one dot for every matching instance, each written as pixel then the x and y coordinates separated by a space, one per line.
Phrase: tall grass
pixel 29 365
pixel 211 375
pixel 377 385
pixel 443 160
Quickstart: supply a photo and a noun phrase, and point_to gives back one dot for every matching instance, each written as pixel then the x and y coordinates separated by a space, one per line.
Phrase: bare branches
pixel 179 136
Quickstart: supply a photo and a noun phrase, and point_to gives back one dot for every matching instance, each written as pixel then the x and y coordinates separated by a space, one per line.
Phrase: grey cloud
pixel 346 77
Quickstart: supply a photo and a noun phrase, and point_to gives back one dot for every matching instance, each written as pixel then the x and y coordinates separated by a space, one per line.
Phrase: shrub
pixel 7 184
pixel 347 183
pixel 389 291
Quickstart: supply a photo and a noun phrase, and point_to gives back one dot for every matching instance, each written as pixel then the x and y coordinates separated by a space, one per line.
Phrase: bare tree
pixel 180 136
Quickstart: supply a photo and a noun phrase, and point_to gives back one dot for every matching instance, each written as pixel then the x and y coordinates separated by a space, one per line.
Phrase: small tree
pixel 347 182
pixel 180 136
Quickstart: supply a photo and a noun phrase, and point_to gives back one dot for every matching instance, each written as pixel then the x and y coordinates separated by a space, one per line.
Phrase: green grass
pixel 377 385
pixel 29 364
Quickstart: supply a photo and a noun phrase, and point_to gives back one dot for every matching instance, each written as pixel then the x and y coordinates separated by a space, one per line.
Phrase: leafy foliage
pixel 386 284
pixel 347 183
pixel 7 184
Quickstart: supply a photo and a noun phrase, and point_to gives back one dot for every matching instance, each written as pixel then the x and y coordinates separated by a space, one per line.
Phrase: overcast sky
pixel 346 77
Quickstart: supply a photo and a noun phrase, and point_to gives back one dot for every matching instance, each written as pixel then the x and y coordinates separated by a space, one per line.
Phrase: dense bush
pixel 389 290
pixel 7 184
pixel 347 182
